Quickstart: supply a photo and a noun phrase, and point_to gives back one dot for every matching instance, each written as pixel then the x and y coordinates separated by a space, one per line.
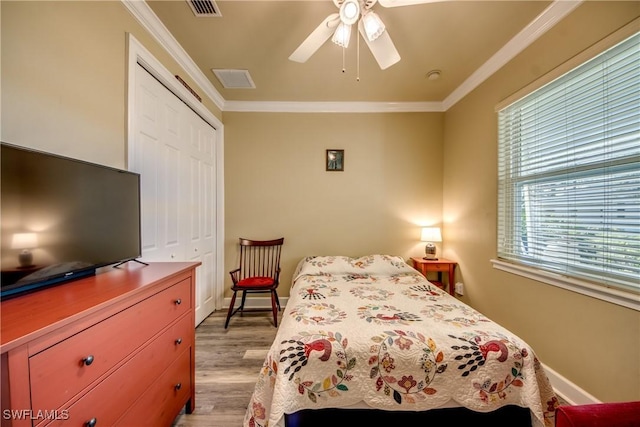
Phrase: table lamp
pixel 430 235
pixel 26 242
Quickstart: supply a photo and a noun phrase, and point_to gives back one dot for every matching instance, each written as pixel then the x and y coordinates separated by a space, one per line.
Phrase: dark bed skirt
pixel 508 416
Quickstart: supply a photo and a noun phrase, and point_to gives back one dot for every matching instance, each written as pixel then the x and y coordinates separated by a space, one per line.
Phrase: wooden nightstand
pixel 425 266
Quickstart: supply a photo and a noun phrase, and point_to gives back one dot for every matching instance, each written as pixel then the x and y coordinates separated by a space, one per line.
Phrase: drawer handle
pixel 91 423
pixel 178 301
pixel 179 341
pixel 177 386
pixel 88 361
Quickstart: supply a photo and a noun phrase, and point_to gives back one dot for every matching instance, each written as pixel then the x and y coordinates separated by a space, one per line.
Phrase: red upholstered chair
pixel 622 414
pixel 259 272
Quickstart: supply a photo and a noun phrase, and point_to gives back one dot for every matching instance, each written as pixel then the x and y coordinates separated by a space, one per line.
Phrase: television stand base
pixel 127 260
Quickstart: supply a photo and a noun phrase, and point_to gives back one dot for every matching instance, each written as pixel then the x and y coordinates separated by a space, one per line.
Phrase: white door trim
pixel 138 54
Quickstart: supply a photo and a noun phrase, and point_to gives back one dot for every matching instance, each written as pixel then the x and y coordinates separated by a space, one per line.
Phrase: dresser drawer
pixel 159 405
pixel 437 267
pixel 110 398
pixel 61 371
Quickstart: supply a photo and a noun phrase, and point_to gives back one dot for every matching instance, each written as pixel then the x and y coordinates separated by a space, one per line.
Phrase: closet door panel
pixel 174 152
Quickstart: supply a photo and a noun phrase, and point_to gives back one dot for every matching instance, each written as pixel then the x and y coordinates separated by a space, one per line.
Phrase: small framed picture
pixel 335 160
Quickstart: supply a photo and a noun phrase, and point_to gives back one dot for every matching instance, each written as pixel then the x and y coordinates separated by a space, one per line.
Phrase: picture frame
pixel 334 160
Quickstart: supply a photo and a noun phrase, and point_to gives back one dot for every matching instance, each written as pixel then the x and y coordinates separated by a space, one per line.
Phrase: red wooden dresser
pixel 112 349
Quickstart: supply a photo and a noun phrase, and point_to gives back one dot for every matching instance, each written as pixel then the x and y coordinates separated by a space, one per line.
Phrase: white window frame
pixel 607 293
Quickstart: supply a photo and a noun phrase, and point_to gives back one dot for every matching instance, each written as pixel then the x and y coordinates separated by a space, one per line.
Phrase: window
pixel 569 174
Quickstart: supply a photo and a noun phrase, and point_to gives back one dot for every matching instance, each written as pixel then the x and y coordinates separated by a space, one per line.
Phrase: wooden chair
pixel 259 272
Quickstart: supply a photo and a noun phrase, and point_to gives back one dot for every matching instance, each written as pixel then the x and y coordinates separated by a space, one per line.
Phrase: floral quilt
pixel 372 331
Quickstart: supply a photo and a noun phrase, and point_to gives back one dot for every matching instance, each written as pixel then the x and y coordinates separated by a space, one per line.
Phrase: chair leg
pixel 244 298
pixel 277 299
pixel 274 307
pixel 233 302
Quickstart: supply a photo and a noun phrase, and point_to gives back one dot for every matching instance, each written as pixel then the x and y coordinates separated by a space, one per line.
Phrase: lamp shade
pixel 431 234
pixel 373 25
pixel 342 35
pixel 24 241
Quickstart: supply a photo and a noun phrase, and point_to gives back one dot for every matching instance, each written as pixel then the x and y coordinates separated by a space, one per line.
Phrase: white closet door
pixel 200 243
pixel 174 152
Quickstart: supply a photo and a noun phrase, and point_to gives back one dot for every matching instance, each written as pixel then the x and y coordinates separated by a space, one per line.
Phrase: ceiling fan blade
pixel 382 48
pixel 396 3
pixel 316 39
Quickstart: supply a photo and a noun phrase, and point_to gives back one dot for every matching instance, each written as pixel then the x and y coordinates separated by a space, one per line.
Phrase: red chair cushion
pixel 256 282
pixel 622 414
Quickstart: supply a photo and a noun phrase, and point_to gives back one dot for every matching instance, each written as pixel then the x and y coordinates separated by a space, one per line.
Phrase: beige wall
pixel 63 77
pixel 276 183
pixel 63 84
pixel 594 344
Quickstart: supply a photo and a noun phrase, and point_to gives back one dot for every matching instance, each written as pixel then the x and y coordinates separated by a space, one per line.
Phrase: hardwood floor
pixel 227 366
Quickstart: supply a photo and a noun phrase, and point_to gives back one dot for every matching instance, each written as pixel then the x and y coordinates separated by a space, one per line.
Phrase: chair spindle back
pixel 260 258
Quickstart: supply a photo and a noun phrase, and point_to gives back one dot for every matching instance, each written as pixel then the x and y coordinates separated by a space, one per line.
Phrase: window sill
pixel 614 296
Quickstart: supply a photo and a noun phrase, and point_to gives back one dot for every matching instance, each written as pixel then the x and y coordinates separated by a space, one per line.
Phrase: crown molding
pixel 536 28
pixel 331 107
pixel 540 25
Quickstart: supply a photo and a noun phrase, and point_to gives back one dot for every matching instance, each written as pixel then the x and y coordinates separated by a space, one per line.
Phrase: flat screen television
pixel 62 218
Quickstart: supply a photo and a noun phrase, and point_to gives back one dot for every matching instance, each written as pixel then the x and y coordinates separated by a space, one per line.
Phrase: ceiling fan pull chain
pixel 344 68
pixel 357 58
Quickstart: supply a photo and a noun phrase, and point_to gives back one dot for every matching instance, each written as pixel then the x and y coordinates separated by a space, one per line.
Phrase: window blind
pixel 569 172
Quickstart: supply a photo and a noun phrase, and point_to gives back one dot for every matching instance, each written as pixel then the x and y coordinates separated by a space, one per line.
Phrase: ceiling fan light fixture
pixel 350 12
pixel 337 27
pixel 373 25
pixel 342 35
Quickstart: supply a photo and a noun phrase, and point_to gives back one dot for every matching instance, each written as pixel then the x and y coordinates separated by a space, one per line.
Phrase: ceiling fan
pixel 337 26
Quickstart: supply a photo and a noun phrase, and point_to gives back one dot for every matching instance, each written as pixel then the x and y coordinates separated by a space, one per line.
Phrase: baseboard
pixel 567 390
pixel 256 302
pixel 564 388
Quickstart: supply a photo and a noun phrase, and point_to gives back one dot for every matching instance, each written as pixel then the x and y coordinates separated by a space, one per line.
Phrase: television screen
pixel 63 218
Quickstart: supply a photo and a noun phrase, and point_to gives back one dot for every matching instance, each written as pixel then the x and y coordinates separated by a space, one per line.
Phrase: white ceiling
pixel 465 40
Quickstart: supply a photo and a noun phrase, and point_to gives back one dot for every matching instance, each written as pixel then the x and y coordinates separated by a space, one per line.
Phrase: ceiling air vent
pixel 203 8
pixel 234 79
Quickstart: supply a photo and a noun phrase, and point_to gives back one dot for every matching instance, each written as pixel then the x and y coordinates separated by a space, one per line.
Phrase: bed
pixel 371 335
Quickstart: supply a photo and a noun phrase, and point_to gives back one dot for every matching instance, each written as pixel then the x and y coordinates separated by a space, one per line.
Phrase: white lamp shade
pixel 373 25
pixel 342 35
pixel 431 234
pixel 24 241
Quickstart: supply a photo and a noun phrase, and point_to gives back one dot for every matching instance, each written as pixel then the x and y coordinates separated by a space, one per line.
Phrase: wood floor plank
pixel 228 362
